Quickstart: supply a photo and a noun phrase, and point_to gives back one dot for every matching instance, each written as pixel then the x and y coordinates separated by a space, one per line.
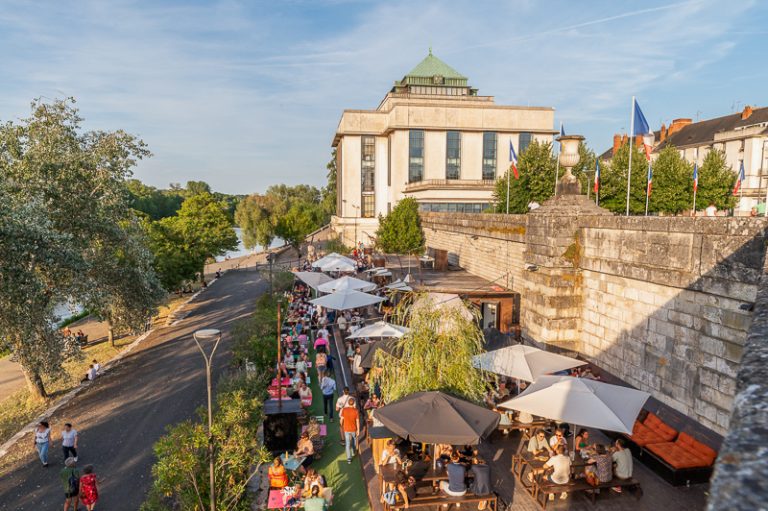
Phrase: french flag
pixel 650 179
pixel 513 160
pixel 695 176
pixel 739 180
pixel 597 175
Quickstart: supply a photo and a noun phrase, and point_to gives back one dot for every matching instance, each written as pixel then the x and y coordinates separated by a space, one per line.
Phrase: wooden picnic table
pixel 521 462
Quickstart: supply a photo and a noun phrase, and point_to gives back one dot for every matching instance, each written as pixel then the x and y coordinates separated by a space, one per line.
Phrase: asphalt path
pixel 124 412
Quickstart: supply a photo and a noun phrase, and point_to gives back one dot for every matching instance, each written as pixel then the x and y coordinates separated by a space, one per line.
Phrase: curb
pixel 66 398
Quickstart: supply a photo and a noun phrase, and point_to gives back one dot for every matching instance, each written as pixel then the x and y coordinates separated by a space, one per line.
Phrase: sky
pixel 246 94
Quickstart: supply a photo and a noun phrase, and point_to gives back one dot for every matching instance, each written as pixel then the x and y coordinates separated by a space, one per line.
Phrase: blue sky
pixel 245 94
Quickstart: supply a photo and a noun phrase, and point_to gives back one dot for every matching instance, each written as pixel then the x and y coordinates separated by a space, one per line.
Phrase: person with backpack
pixel 70 479
pixel 89 490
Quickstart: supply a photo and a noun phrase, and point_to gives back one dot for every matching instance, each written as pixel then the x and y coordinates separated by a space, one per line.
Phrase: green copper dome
pixel 433 72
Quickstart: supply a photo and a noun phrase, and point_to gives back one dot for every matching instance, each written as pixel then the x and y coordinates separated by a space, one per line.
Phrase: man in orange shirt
pixel 350 425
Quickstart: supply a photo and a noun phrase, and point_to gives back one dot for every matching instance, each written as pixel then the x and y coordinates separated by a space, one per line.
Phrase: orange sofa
pixel 685 452
pixel 652 431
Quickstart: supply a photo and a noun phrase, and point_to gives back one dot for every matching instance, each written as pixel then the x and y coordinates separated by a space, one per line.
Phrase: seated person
pixel 505 420
pixel 560 467
pixel 601 464
pixel 90 375
pixel 313 480
pixel 304 448
pixel 538 445
pixel 302 364
pixel 391 454
pixel 313 428
pixel 558 439
pixel 315 502
pixel 305 395
pixel 404 488
pixel 278 476
pixel 622 457
pixel 481 485
pixel 581 442
pixel 455 485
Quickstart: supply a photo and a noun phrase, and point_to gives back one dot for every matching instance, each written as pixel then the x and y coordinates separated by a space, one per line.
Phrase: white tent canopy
pixel 349 299
pixel 345 283
pixel 312 278
pixel 380 329
pixel 335 262
pixel 523 362
pixel 581 401
pixel 399 285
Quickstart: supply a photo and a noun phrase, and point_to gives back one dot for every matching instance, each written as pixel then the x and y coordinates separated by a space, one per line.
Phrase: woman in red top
pixel 89 491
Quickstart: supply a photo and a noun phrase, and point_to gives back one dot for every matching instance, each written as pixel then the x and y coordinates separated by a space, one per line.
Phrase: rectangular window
pixel 369 206
pixel 525 141
pixel 489 155
pixel 415 155
pixel 453 155
pixel 367 173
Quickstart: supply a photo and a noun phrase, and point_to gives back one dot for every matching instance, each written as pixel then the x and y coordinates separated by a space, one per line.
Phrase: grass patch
pixel 349 487
pixel 75 318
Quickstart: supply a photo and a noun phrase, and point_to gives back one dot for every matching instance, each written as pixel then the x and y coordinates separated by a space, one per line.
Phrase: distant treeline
pixel 163 203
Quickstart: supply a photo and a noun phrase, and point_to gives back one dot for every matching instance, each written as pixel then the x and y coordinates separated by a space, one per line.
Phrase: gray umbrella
pixel 437 418
pixel 368 351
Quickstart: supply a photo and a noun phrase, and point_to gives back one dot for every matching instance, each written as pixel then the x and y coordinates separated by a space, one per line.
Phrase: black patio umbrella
pixel 437 418
pixel 367 351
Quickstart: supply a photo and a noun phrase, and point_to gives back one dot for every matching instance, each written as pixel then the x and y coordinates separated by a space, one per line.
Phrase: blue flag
pixel 562 130
pixel 640 124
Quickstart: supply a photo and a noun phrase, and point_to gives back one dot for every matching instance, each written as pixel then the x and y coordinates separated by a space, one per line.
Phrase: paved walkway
pixel 125 411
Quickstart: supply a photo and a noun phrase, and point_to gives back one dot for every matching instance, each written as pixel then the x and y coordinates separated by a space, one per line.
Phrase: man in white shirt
pixel 96 366
pixel 322 333
pixel 342 403
pixel 561 470
pixel 622 457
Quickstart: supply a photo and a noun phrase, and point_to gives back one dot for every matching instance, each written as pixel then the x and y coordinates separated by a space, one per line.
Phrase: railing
pixel 450 184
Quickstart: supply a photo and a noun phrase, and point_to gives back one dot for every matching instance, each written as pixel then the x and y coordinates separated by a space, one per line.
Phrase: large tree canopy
pixel 72 186
pixel 400 231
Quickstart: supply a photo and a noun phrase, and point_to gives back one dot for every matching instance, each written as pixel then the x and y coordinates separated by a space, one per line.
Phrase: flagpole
pixel 695 188
pixel 557 167
pixel 647 189
pixel 631 136
pixel 508 176
pixel 741 188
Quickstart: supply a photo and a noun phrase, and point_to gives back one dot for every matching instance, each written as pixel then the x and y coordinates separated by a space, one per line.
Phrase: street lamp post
pixel 209 334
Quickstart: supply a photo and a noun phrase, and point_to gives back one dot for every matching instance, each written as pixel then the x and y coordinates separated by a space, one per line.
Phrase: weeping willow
pixel 436 354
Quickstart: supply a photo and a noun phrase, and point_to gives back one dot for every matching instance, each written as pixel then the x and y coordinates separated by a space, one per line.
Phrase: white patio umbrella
pixel 345 283
pixel 380 329
pixel 581 401
pixel 523 362
pixel 335 262
pixel 399 285
pixel 349 299
pixel 312 278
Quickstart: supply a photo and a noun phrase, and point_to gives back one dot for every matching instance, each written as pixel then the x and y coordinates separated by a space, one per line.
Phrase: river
pixel 242 251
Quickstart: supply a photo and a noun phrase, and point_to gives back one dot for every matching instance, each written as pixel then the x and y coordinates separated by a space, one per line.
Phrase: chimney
pixel 616 143
pixel 677 125
pixel 662 133
pixel 746 113
pixel 624 139
pixel 639 140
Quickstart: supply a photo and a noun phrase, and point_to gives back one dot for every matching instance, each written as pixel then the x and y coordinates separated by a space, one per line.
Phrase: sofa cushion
pixel 665 432
pixel 696 448
pixel 676 456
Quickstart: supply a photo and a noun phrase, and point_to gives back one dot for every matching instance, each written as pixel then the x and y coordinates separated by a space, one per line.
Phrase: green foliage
pixel 716 182
pixel 287 212
pixel 155 203
pixel 336 245
pixel 436 354
pixel 400 231
pixel 536 168
pixel 329 191
pixel 255 338
pixel 73 319
pixel 70 231
pixel 613 185
pixel 183 243
pixel 672 188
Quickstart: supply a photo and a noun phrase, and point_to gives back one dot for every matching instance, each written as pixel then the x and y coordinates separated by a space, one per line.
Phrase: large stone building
pixel 433 138
pixel 743 137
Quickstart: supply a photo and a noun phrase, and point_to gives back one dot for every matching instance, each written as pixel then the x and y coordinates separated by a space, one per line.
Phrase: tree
pixel 613 182
pixel 436 353
pixel 197 188
pixel 672 185
pixel 254 216
pixel 400 231
pixel 716 182
pixel 300 220
pixel 78 183
pixel 536 168
pixel 329 192
pixel 155 203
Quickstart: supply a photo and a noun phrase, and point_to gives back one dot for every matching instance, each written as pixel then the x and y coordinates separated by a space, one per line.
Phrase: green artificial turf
pixel 349 488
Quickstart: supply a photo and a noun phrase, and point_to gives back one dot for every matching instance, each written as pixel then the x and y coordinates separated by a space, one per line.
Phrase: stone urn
pixel 569 158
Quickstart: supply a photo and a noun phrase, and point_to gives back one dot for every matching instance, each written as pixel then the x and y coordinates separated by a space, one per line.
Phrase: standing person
pixel 341 403
pixel 69 441
pixel 89 490
pixel 357 361
pixel 43 441
pixel 70 480
pixel 328 387
pixel 350 425
pixel 96 366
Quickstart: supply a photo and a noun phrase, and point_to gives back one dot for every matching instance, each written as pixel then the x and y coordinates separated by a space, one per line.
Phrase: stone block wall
pixel 662 303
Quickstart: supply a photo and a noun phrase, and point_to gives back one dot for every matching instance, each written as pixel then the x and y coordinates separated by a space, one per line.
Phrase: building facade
pixel 432 138
pixel 743 137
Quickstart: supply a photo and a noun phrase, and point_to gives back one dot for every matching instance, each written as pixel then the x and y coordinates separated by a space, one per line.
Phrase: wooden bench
pixel 441 498
pixel 543 489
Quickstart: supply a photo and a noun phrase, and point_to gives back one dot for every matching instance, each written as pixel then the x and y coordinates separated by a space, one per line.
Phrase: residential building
pixel 432 137
pixel 743 137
